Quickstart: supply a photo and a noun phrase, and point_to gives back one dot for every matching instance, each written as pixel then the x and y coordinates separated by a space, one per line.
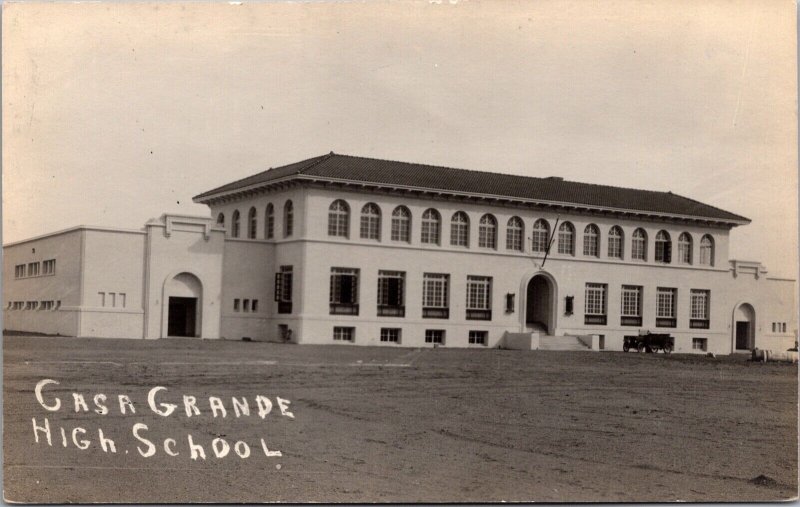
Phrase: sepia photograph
pixel 406 251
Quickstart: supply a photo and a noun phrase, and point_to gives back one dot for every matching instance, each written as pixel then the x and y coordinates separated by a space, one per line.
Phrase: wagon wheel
pixel 668 348
pixel 654 349
pixel 640 348
pixel 626 347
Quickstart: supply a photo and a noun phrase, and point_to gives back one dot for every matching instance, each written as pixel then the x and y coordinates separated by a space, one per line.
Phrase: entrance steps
pixel 549 342
pixel 541 341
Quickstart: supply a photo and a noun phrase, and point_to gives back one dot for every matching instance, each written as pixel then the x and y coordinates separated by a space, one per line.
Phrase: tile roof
pixel 551 190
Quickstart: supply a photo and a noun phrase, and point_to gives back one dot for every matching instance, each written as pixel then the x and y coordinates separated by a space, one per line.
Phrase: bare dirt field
pixel 391 424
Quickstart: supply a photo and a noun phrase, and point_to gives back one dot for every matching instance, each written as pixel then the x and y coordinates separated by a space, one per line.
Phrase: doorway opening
pixel 744 327
pixel 540 305
pixel 182 316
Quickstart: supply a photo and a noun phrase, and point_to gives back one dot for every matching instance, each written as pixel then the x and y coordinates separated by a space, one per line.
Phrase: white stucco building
pixel 341 249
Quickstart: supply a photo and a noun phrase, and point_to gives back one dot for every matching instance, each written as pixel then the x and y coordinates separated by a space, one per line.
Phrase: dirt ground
pixel 400 425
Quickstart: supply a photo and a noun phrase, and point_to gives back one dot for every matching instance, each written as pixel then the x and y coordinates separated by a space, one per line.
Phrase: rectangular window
pixel 435 301
pixel 47 305
pixel 700 344
pixel 479 298
pixel 254 305
pixel 434 336
pixel 246 305
pixel 700 300
pixel 102 298
pixel 19 271
pixel 49 267
pixel 283 289
pixel 390 335
pixel 236 305
pixel 344 291
pixel 391 287
pixel 33 269
pixel 344 334
pixel 478 337
pixel 665 307
pixel 631 311
pixel 122 299
pixel 112 299
pixel 595 304
pixel 510 303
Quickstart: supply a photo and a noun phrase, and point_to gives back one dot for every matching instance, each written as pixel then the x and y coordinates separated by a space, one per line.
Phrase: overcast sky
pixel 116 113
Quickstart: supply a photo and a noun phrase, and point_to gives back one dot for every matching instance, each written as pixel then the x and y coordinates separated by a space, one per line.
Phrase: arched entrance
pixel 540 304
pixel 183 296
pixel 744 327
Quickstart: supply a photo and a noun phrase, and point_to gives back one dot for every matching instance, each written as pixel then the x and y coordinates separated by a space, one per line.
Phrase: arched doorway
pixel 744 327
pixel 540 298
pixel 183 295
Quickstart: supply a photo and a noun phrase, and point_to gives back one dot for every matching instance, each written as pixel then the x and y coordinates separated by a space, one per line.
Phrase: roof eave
pixel 206 198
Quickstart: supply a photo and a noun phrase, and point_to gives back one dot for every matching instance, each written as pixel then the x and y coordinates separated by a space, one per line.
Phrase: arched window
pixel 514 234
pixel 288 219
pixel 591 241
pixel 685 248
pixel 663 247
pixel 252 222
pixel 487 231
pixel 639 245
pixel 235 224
pixel 269 222
pixel 221 220
pixel 566 239
pixel 615 242
pixel 540 236
pixel 459 229
pixel 339 219
pixel 401 224
pixel 371 221
pixel 707 251
pixel 431 225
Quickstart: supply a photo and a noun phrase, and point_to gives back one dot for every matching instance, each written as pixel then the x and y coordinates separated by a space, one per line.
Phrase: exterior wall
pixel 259 201
pixel 177 244
pixel 510 272
pixel 248 268
pixel 142 265
pixel 112 289
pixel 64 286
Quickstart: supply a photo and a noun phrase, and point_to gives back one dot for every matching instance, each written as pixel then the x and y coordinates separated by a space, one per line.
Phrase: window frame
pixel 487 232
pixel 627 317
pixel 401 224
pixel 663 249
pixel 384 306
pixel 370 223
pixel 666 316
pixel 339 219
pixel 639 245
pixel 515 234
pixel 339 305
pixel 616 243
pixel 566 238
pixel 479 297
pixel 595 304
pixel 699 308
pixel 435 295
pixel 431 230
pixel 459 229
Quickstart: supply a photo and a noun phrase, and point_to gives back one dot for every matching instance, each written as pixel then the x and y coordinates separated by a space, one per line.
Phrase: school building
pixel 350 250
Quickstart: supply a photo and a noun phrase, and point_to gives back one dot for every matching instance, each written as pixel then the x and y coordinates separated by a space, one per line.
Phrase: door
pixel 182 316
pixel 742 335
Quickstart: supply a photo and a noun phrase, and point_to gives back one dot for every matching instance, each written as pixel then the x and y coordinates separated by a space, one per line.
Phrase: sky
pixel 116 113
